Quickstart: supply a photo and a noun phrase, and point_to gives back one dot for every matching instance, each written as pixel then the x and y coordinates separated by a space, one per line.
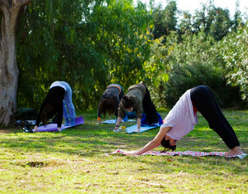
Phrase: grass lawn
pixel 78 160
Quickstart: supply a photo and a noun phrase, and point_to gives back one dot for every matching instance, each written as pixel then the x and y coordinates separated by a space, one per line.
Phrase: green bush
pixel 179 65
pixel 187 76
pixel 234 49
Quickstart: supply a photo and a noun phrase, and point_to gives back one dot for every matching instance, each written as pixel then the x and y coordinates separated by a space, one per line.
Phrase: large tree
pixel 88 43
pixel 9 12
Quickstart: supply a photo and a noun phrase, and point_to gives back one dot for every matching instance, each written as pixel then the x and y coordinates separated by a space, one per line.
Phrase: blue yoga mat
pixel 113 121
pixel 143 128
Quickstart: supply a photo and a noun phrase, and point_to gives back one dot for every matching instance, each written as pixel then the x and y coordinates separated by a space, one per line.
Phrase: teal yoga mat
pixel 143 128
pixel 113 121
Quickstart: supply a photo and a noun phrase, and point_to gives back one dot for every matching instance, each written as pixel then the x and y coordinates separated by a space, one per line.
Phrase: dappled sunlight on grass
pixel 80 160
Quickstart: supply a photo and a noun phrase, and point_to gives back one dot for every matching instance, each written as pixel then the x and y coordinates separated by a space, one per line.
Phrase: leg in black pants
pixel 203 99
pixel 149 109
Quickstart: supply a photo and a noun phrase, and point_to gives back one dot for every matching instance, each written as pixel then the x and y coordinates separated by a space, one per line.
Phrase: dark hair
pixel 127 102
pixel 108 105
pixel 166 145
pixel 47 113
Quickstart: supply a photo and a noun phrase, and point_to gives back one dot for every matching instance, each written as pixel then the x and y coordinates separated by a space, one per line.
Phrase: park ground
pixel 79 160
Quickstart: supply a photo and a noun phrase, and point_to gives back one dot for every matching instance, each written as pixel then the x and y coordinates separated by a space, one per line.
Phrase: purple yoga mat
pixel 53 126
pixel 186 153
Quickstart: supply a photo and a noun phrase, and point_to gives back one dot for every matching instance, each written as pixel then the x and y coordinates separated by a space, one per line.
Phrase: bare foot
pixel 234 152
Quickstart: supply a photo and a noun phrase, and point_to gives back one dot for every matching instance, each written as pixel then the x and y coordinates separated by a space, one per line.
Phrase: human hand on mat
pixel 35 128
pixel 130 153
pixel 138 125
pixel 117 124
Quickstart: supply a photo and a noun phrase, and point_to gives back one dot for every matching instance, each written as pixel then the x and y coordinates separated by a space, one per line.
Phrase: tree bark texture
pixel 9 9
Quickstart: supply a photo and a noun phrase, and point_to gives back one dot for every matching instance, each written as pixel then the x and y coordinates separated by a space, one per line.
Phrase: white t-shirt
pixel 181 117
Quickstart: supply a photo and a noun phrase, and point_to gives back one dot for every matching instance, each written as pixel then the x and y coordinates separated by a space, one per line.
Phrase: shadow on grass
pixel 93 140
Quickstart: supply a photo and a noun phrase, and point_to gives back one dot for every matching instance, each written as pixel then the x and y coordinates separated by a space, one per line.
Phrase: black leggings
pixel 149 108
pixel 203 99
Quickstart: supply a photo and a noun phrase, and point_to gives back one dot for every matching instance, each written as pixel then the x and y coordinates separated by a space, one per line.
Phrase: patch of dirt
pixel 37 164
pixel 41 164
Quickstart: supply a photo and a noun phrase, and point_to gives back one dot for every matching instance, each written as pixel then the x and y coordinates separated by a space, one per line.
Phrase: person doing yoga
pixel 138 99
pixel 58 103
pixel 110 100
pixel 183 117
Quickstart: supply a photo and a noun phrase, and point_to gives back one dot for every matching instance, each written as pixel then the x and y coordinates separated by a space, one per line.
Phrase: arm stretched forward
pixel 152 144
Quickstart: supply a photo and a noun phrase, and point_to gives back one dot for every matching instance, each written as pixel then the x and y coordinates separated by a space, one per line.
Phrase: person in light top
pixel 183 117
pixel 57 103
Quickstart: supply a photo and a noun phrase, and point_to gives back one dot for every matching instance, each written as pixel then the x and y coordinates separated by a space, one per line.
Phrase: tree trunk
pixel 8 66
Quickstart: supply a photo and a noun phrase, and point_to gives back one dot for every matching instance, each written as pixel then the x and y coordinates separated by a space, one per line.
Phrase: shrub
pixel 234 50
pixel 179 65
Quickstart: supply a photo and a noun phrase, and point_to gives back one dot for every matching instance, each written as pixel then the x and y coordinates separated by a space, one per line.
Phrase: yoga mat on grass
pixel 185 153
pixel 143 128
pixel 113 121
pixel 53 126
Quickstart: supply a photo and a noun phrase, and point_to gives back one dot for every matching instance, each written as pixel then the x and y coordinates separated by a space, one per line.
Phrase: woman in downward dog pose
pixel 110 101
pixel 138 99
pixel 58 103
pixel 183 117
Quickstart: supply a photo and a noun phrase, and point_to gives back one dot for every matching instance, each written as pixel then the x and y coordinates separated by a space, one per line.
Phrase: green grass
pixel 79 160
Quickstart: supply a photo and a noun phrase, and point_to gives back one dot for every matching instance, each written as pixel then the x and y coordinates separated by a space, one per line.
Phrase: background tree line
pixel 87 43
pixel 91 43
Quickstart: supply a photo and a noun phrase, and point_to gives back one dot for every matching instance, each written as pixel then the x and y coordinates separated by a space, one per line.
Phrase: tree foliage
pixel 165 20
pixel 214 21
pixel 180 66
pixel 91 43
pixel 87 43
pixel 235 48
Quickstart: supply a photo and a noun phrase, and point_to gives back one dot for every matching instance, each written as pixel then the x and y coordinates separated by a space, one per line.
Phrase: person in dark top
pixel 138 99
pixel 58 103
pixel 110 100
